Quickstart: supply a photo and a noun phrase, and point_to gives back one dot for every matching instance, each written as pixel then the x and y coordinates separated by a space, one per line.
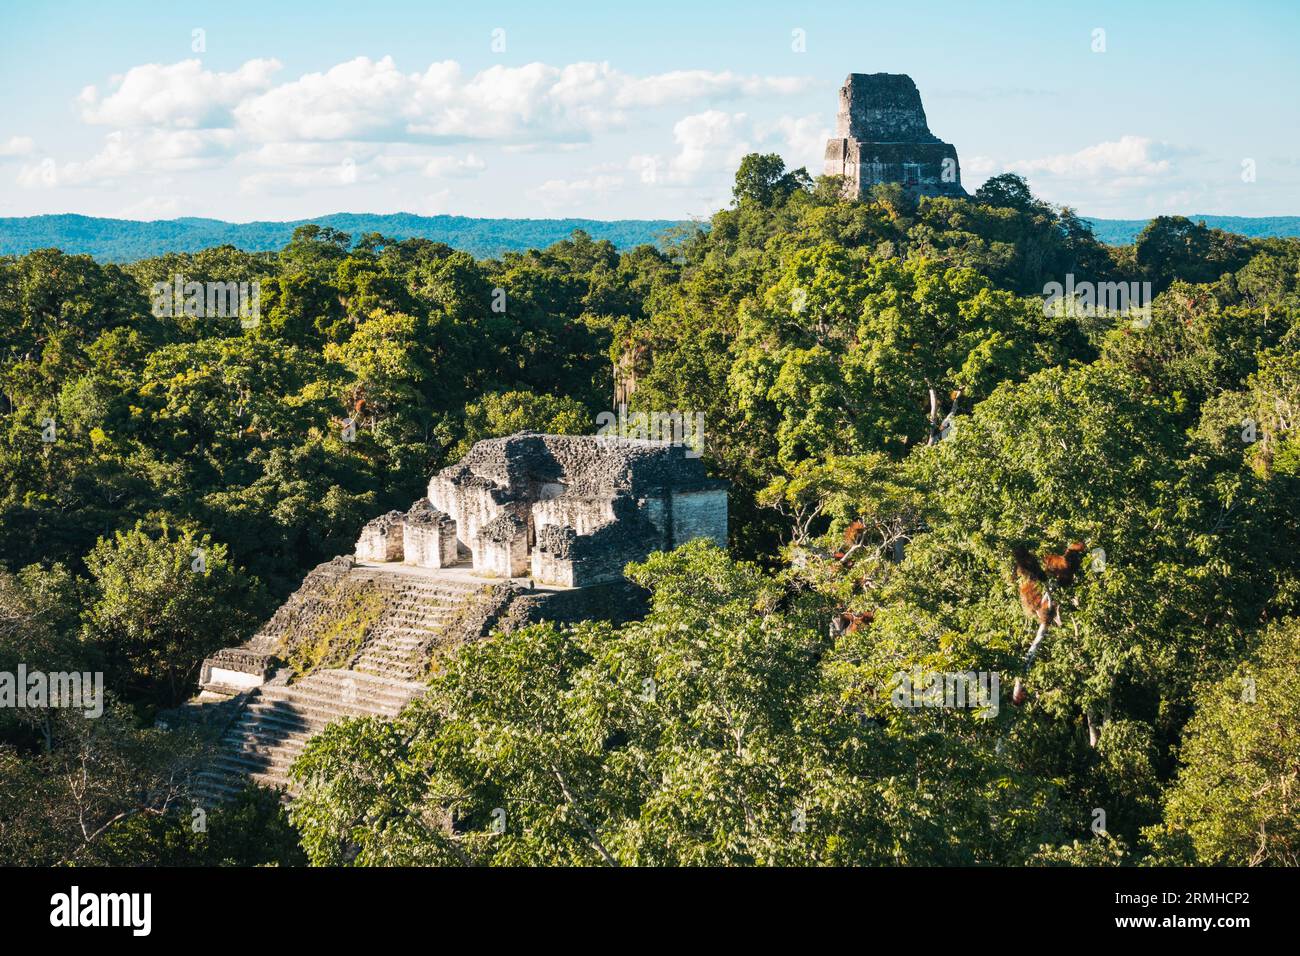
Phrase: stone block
pixel 382 538
pixel 429 537
pixel 501 547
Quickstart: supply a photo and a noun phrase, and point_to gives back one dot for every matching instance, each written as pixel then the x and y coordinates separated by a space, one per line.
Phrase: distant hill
pixel 1121 232
pixel 125 240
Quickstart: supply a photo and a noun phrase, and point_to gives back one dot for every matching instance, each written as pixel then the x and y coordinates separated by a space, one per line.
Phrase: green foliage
pixel 894 409
pixel 332 639
pixel 66 802
pixel 251 829
pixel 1102 850
pixel 1007 191
pixel 125 240
pixel 158 604
pixel 762 179
pixel 1234 798
pixel 504 413
pixel 721 730
pixel 1174 247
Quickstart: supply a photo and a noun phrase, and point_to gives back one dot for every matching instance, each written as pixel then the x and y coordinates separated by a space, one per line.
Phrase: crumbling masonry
pixel 882 137
pixel 563 510
pixel 526 528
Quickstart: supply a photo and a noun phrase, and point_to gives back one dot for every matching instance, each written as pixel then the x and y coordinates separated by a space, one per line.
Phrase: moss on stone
pixel 333 637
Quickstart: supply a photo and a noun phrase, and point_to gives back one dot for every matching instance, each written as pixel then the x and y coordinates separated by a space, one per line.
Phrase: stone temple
pixel 882 137
pixel 525 529
pixel 559 509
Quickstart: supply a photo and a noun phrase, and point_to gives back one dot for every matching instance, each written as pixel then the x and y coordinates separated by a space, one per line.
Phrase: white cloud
pixel 682 85
pixel 280 155
pixel 373 99
pixel 543 147
pixel 42 175
pixel 976 169
pixel 181 95
pixel 708 142
pixel 133 152
pixel 437 203
pixel 358 99
pixel 151 207
pixel 365 120
pixel 292 169
pixel 18 146
pixel 711 144
pixel 445 167
pixel 558 193
pixel 346 173
pixel 1129 177
pixel 803 138
pixel 1127 156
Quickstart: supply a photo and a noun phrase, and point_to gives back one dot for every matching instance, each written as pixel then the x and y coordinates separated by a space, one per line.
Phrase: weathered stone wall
pixel 615 495
pixel 470 502
pixel 360 664
pixel 521 465
pixel 882 136
pixel 501 547
pixel 684 515
pixel 238 668
pixel 382 539
pixel 582 560
pixel 658 512
pixel 552 557
pixel 584 515
pixel 429 537
pixel 617 601
pixel 307 603
pixel 882 108
pixel 700 514
pixel 341 612
pixel 431 547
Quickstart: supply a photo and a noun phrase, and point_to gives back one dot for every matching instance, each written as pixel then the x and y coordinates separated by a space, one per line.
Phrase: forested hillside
pixel 1122 232
pixel 126 240
pixel 911 439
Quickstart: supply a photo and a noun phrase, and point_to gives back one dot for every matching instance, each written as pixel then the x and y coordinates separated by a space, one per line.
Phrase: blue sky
pixel 612 110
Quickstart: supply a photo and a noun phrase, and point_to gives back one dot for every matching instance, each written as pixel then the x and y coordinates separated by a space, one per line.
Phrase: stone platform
pixel 462 573
pixel 526 529
pixel 263 713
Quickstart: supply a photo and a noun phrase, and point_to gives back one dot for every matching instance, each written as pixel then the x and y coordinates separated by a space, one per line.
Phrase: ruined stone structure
pixel 882 137
pixel 563 510
pixel 387 627
pixel 428 538
pixel 383 539
pixel 364 633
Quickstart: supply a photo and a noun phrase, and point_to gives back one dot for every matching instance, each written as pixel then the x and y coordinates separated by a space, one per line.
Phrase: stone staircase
pixel 268 725
pixel 418 613
pixel 278 719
